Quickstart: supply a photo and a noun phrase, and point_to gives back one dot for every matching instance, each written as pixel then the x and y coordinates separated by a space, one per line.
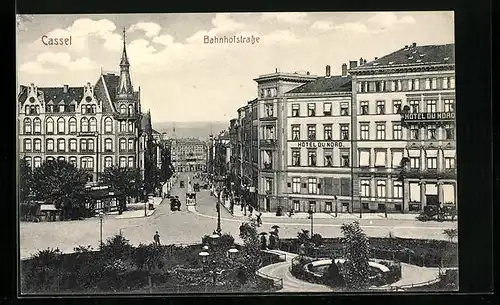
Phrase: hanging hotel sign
pixel 428 116
pixel 324 144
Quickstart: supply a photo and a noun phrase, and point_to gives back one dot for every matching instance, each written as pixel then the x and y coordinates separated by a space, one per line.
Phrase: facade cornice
pixel 319 94
pixel 407 68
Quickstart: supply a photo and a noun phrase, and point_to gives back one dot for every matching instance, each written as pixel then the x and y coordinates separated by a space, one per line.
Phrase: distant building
pixel 188 155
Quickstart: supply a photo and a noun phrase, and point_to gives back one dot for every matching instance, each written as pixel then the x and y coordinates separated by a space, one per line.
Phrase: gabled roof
pixel 101 90
pixel 415 55
pixel 326 84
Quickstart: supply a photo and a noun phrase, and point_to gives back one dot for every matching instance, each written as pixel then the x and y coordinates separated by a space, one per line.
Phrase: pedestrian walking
pixel 157 239
pixel 259 220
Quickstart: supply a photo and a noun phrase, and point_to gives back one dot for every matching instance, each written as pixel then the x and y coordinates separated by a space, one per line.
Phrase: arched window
pixel 37 109
pixel 130 109
pixel 84 109
pixel 61 158
pixel 123 162
pixel 123 144
pixel 28 161
pixel 72 125
pixel 94 108
pixel 84 125
pixel 87 163
pixel 50 108
pixel 108 162
pixel 131 144
pixel 37 161
pixel 27 125
pixel 90 144
pixel 108 145
pixel 50 159
pixel 49 126
pixel 130 162
pixel 37 125
pixel 123 109
pixel 93 124
pixel 32 109
pixel 130 126
pixel 27 110
pixel 108 125
pixel 123 126
pixel 50 145
pixel 83 145
pixel 60 125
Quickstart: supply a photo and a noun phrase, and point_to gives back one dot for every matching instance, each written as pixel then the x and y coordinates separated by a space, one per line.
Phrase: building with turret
pixel 93 126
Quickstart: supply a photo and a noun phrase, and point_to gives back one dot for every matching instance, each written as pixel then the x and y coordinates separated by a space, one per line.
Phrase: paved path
pixel 290 283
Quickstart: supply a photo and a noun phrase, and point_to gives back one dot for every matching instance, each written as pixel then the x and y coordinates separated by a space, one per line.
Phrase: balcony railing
pixel 267 142
pixel 123 116
pixel 268 118
pixel 449 173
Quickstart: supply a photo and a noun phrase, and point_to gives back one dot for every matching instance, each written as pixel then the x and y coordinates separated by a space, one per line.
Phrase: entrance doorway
pixel 268 205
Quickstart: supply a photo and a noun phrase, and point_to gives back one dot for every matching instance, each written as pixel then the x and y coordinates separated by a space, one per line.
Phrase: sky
pixel 184 79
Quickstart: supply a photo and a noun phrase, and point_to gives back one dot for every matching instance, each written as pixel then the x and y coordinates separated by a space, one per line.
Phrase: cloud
pixel 389 19
pixel 84 29
pixel 49 63
pixel 222 22
pixel 279 37
pixel 150 29
pixel 287 17
pixel 165 40
pixel 322 25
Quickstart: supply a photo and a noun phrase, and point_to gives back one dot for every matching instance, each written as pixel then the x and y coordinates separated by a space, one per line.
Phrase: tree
pixel 251 245
pixel 125 180
pixel 25 180
pixel 62 184
pixel 356 255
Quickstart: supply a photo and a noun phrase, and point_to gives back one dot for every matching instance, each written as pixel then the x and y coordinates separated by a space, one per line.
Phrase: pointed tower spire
pixel 124 89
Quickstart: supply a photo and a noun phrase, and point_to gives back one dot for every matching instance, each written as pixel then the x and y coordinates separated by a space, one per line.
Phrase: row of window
pixel 85 109
pixel 416 132
pixel 431 163
pixel 312 158
pixel 268 92
pixel 434 83
pixel 380 188
pixel 85 162
pixel 86 125
pixel 329 186
pixel 86 145
pixel 327 109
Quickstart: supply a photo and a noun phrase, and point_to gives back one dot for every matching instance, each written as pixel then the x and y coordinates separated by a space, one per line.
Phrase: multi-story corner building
pixel 404 105
pixel 188 155
pixel 317 173
pixel 269 121
pixel 92 127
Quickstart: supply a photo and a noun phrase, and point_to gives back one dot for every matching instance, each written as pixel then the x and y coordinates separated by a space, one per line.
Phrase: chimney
pixel 327 70
pixel 361 61
pixel 414 44
pixel 353 64
pixel 308 73
pixel 66 88
pixel 344 69
pixel 364 61
pixel 376 58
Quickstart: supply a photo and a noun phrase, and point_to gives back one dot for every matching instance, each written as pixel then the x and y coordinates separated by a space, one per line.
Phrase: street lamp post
pixel 218 216
pixel 311 213
pixel 336 205
pixel 145 203
pixel 101 215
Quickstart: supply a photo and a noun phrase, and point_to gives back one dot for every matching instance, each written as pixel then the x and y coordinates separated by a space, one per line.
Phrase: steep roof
pixel 415 55
pixel 326 84
pixel 146 126
pixel 57 95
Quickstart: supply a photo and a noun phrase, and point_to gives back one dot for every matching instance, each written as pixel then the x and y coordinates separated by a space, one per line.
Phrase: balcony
pixel 449 173
pixel 268 118
pixel 267 166
pixel 268 143
pixel 126 116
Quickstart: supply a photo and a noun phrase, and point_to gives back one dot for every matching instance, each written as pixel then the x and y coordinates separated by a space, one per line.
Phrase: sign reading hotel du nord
pixel 429 116
pixel 318 144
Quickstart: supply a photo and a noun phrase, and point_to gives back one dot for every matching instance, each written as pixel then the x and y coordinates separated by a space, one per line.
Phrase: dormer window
pixel 130 109
pixel 61 108
pixel 123 109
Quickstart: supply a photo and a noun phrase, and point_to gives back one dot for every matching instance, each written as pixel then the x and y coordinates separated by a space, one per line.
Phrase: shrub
pixel 423 217
pixel 317 239
pixel 117 247
pixel 333 277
